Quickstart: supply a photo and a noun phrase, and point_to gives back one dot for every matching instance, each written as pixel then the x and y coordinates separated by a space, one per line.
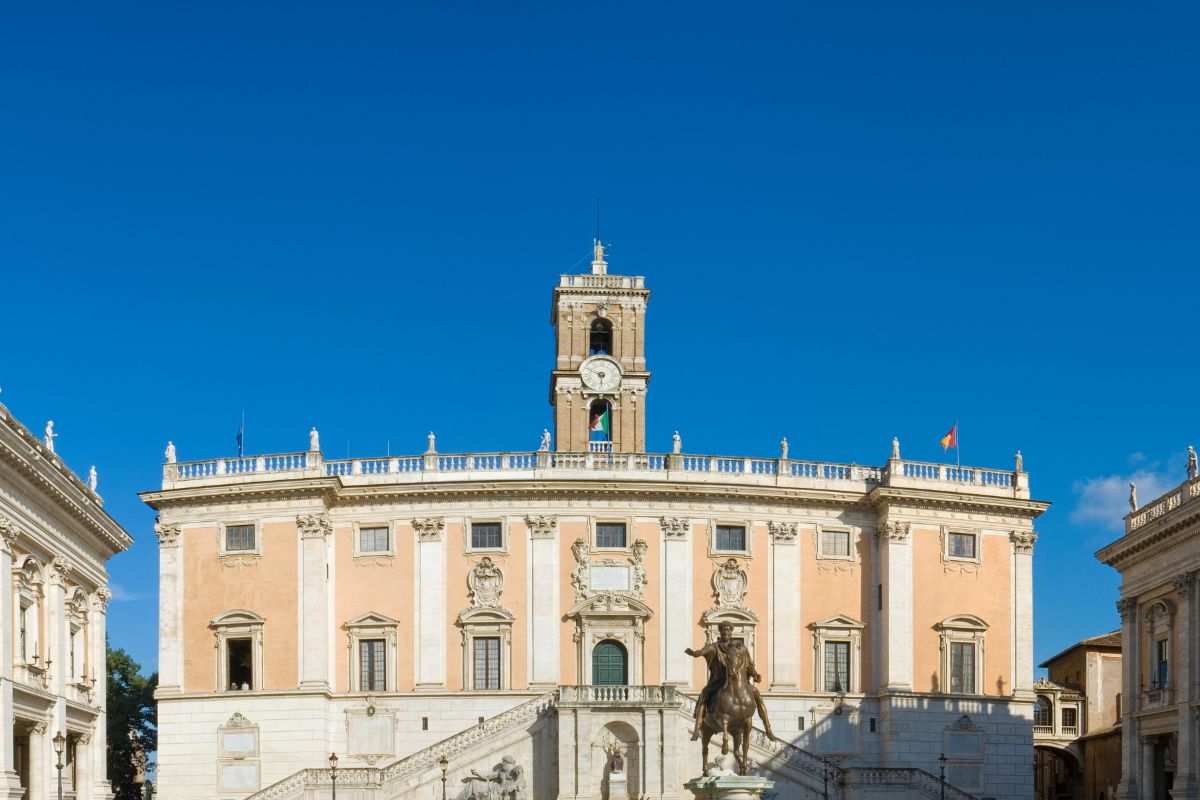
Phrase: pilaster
pixel 315 530
pixel 677 619
pixel 1185 785
pixel 101 788
pixel 895 559
pixel 1022 600
pixel 10 784
pixel 544 626
pixel 170 609
pixel 784 613
pixel 430 603
pixel 1130 750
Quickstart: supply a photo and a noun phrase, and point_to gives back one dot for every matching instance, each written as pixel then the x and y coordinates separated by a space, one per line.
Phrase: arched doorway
pixel 1056 774
pixel 610 664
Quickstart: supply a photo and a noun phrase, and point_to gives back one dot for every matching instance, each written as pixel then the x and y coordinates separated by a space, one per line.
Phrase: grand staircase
pixel 797 772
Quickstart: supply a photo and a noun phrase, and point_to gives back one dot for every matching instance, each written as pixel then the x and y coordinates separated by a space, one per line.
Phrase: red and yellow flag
pixel 950 439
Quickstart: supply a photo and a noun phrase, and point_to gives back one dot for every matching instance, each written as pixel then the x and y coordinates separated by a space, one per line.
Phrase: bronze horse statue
pixel 729 700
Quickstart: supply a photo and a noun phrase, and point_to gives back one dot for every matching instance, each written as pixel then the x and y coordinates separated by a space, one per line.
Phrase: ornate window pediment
pixel 369 626
pixel 616 616
pixel 486 630
pixel 238 626
pixel 837 654
pixel 961 640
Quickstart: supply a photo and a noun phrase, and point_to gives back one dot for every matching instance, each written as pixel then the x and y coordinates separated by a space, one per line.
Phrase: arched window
pixel 600 338
pixel 610 664
pixel 600 421
pixel 1043 714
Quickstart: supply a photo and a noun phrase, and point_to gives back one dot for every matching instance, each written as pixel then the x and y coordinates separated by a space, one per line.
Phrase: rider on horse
pixel 723 655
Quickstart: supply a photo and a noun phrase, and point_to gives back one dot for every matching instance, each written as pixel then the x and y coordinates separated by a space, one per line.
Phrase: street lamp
pixel 824 778
pixel 444 763
pixel 60 744
pixel 332 773
pixel 942 764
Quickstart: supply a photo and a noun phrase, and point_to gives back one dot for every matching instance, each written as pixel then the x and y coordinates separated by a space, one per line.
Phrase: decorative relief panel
pixel 729 583
pixel 782 532
pixel 8 534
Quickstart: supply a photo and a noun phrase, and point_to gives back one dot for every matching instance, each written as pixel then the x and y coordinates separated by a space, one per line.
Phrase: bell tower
pixel 598 385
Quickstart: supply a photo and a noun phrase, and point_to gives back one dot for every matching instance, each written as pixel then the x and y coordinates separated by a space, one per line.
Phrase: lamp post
pixel 332 773
pixel 60 745
pixel 444 763
pixel 942 776
pixel 824 778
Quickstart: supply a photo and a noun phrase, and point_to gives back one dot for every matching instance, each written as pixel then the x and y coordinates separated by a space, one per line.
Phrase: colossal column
pixel 1185 785
pixel 99 657
pixel 785 606
pixel 10 785
pixel 314 613
pixel 1022 554
pixel 1130 674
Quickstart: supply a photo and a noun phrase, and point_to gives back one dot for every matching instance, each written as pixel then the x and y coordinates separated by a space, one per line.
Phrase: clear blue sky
pixel 856 220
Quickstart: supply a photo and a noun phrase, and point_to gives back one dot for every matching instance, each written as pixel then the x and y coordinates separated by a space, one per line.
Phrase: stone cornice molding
pixel 675 527
pixel 928 498
pixel 25 451
pixel 1184 584
pixel 1163 532
pixel 782 532
pixel 168 535
pixel 541 526
pixel 429 529
pixel 1023 541
pixel 314 526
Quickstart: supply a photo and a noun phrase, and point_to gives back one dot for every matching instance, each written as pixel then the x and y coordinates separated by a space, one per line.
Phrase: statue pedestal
pixel 618 786
pixel 729 787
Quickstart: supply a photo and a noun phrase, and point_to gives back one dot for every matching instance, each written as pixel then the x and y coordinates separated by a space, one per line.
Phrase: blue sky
pixel 857 220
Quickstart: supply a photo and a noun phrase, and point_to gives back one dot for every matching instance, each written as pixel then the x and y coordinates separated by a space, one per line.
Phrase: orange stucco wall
pixel 265 585
pixel 651 532
pixel 831 587
pixel 941 591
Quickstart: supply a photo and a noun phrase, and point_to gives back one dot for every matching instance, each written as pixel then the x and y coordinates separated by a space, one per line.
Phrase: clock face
pixel 601 374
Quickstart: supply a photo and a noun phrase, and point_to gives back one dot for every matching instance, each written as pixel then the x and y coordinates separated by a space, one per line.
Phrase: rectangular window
pixel 372 670
pixel 73 672
pixel 610 534
pixel 731 538
pixel 1070 717
pixel 239 537
pixel 835 543
pixel 486 536
pixel 24 652
pixel 241 664
pixel 373 540
pixel 487 662
pixel 962 545
pixel 1162 663
pixel 962 667
pixel 837 667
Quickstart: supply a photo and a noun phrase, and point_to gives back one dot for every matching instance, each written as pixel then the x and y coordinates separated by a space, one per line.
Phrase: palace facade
pixel 55 538
pixel 1159 561
pixel 398 611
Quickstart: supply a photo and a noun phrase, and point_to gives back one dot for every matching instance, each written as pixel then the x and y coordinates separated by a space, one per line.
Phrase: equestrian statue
pixel 729 700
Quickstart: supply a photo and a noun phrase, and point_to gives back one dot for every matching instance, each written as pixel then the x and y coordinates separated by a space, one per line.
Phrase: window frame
pixel 368 642
pixel 469 534
pixel 949 532
pixel 223 541
pixel 851 543
pixel 238 623
pixel 962 629
pixel 476 641
pixel 371 625
pixel 359 527
pixel 596 522
pixel 838 629
pixel 716 524
pixel 485 622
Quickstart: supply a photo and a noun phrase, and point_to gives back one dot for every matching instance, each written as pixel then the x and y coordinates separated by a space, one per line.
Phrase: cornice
pixel 884 495
pixel 262 490
pixel 1159 534
pixel 55 479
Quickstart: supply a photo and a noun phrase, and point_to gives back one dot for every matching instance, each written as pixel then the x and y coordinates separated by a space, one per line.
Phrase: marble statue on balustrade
pixel 729 699
pixel 1132 496
pixel 1020 463
pixel 506 781
pixel 783 448
pixel 895 448
pixel 49 436
pixel 676 443
pixel 169 453
pixel 1191 463
pixel 93 479
pixel 314 440
pixel 431 446
pixel 544 445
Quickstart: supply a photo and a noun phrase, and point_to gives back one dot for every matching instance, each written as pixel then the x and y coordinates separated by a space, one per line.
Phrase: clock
pixel 600 374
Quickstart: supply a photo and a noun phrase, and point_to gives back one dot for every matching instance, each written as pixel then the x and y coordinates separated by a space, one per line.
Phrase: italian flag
pixel 600 423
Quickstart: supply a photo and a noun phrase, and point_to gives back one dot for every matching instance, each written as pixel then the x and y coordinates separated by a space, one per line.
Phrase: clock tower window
pixel 600 338
pixel 600 421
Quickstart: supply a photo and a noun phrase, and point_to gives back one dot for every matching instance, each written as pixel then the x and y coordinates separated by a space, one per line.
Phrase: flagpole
pixel 957 448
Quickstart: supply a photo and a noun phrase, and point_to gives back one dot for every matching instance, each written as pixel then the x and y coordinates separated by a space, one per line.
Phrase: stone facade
pixel 382 607
pixel 55 538
pixel 1159 561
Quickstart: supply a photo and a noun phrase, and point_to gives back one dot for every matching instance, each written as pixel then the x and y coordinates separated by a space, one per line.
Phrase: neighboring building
pixel 1076 731
pixel 55 538
pixel 1159 559
pixel 538 604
